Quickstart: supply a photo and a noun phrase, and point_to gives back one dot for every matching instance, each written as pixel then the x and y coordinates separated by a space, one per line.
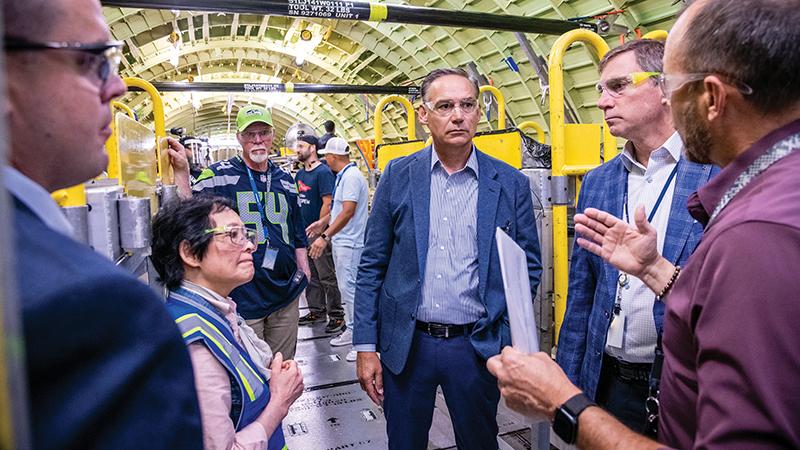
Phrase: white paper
pixel 517 286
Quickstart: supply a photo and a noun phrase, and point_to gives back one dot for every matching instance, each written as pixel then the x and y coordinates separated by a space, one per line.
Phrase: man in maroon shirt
pixel 730 334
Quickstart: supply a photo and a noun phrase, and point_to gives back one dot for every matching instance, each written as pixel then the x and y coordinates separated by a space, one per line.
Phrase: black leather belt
pixel 625 371
pixel 443 330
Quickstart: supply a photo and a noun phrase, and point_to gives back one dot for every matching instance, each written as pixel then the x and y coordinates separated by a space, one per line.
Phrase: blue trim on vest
pixel 181 302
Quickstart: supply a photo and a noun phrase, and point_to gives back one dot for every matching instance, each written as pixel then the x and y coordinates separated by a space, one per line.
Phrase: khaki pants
pixel 279 329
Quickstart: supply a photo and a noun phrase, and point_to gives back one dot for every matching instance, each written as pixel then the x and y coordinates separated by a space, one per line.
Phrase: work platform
pixel 334 413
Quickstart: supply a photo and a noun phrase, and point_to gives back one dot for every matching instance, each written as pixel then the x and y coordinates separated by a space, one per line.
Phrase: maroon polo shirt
pixel 731 377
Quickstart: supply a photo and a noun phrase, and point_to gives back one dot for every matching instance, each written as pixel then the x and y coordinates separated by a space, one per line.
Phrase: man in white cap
pixel 346 229
pixel 266 198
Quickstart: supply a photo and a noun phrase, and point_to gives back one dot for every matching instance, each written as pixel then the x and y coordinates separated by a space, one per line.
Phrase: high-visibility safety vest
pixel 199 321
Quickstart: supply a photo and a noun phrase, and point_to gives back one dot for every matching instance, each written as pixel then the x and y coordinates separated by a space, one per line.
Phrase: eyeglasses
pixel 251 136
pixel 617 86
pixel 672 82
pixel 445 108
pixel 239 236
pixel 102 59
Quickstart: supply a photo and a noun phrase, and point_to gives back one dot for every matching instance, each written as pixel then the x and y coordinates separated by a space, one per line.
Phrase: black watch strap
pixel 566 420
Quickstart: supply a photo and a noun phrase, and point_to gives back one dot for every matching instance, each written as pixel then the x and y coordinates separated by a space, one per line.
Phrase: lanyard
pixel 258 201
pixel 658 201
pixel 778 151
pixel 622 280
pixel 339 177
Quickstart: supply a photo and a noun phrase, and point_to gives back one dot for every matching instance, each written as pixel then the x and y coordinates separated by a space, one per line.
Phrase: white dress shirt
pixel 644 187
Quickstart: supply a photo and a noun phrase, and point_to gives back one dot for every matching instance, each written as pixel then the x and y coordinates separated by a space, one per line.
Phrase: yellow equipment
pixel 164 167
pixel 386 152
pixel 536 127
pixel 575 151
pixel 503 144
pixel 659 35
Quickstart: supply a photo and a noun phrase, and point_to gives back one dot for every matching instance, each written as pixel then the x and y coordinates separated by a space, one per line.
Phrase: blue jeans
pixel 346 260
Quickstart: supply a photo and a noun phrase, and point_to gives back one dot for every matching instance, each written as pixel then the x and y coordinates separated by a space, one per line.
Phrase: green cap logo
pixel 251 114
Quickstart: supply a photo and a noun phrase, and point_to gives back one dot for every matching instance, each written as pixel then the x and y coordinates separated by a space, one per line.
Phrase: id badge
pixel 616 331
pixel 270 256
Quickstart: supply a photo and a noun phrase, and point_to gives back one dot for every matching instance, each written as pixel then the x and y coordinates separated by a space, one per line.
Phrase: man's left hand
pixel 531 384
pixel 317 247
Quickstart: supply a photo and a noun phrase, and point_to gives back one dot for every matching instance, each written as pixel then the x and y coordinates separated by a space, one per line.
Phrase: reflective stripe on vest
pixel 192 323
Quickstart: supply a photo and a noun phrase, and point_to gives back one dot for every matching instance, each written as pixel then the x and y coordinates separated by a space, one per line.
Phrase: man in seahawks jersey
pixel 266 198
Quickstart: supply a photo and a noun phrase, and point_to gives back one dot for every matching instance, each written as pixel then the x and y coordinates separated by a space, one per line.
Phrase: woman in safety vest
pixel 202 251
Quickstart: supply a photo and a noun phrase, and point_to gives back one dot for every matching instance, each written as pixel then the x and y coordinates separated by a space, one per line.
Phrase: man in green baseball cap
pixel 252 114
pixel 265 196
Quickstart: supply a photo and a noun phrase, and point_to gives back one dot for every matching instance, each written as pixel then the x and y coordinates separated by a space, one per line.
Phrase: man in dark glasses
pixel 106 366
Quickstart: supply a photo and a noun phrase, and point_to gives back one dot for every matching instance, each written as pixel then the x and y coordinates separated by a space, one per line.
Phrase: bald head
pixel 750 41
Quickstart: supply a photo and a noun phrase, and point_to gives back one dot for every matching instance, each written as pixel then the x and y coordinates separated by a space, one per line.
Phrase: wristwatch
pixel 325 237
pixel 565 423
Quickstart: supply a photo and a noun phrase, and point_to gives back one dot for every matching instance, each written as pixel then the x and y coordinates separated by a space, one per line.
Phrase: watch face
pixel 565 426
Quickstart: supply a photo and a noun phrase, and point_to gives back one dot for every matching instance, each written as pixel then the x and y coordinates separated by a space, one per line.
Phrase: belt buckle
pixel 446 332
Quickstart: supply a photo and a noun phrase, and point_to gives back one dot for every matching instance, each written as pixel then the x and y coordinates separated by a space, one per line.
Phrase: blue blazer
pixel 392 267
pixel 592 282
pixel 106 366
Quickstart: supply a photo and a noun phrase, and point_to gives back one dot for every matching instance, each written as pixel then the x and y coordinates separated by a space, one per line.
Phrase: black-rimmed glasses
pixel 103 57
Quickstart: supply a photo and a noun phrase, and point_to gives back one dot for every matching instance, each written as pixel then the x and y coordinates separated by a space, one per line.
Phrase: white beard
pixel 259 158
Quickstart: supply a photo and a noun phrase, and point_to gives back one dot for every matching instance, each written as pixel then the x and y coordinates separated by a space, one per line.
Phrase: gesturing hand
pixel 629 249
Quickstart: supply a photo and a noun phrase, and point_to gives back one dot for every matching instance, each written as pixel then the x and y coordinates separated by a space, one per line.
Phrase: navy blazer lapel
pixel 615 188
pixel 420 186
pixel 488 202
pixel 688 178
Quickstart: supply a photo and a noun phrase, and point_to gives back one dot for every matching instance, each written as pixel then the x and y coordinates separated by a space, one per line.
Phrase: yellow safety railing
pixel 581 160
pixel 112 147
pixel 164 168
pixel 125 108
pixel 536 127
pixel 501 104
pixel 659 35
pixel 378 119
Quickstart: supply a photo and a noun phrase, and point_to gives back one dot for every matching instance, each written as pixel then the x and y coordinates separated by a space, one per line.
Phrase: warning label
pixel 328 9
pixel 263 87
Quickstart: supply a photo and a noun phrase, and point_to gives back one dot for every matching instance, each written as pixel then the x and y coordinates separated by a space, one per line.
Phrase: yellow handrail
pixel 158 117
pixel 501 104
pixel 536 127
pixel 125 108
pixel 378 119
pixel 559 159
pixel 112 146
pixel 659 35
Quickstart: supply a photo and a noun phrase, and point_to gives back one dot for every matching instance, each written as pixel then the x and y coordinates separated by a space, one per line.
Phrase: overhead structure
pixel 367 11
pixel 296 88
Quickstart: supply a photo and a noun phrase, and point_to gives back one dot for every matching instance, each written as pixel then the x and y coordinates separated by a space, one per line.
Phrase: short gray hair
pixel 438 73
pixel 649 54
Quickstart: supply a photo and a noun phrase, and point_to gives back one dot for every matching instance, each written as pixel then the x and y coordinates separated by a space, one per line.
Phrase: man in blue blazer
pixel 608 338
pixel 106 366
pixel 429 295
